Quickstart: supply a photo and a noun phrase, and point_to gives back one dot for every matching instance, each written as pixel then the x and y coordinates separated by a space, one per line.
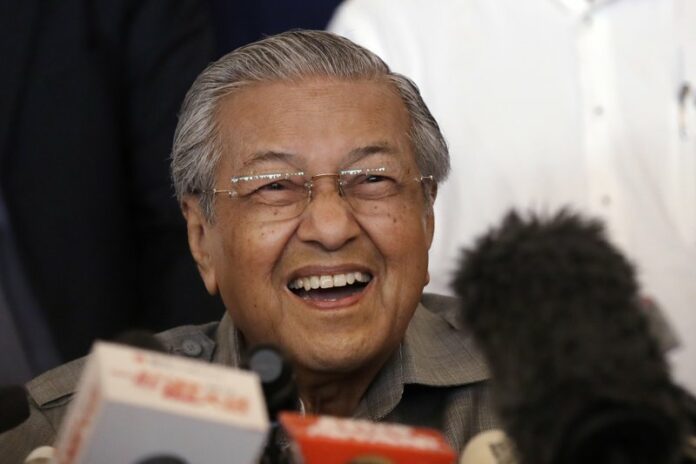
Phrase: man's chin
pixel 337 362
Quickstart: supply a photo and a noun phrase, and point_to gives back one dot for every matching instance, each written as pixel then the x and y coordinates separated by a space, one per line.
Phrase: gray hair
pixel 288 56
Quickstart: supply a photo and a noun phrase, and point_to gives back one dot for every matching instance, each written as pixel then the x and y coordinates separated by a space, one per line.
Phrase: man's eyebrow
pixel 354 155
pixel 359 153
pixel 268 155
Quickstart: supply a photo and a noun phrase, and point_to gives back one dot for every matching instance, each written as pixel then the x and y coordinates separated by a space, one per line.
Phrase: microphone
pixel 139 406
pixel 577 376
pixel 41 455
pixel 334 440
pixel 277 378
pixel 279 391
pixel 489 447
pixel 135 338
pixel 47 455
pixel 14 406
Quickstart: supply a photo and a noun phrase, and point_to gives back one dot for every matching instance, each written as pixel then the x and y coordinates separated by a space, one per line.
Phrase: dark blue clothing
pixel 238 22
pixel 89 96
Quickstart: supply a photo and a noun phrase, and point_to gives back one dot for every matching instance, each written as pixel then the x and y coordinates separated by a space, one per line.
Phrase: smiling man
pixel 325 191
pixel 307 171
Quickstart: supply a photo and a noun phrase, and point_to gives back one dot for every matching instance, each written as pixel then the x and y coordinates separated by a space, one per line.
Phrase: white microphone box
pixel 133 405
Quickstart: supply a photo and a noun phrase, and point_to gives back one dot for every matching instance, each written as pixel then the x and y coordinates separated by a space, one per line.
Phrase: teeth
pixel 339 280
pixel 329 281
pixel 326 281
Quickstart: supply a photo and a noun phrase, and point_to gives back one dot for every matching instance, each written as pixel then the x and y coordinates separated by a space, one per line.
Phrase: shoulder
pixel 48 397
pixel 438 349
pixel 50 393
pixel 443 367
pixel 54 388
pixel 447 307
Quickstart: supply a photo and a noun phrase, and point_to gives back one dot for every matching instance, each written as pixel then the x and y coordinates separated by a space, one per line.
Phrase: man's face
pixel 256 261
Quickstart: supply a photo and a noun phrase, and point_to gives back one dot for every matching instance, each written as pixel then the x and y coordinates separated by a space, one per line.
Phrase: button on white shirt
pixel 548 103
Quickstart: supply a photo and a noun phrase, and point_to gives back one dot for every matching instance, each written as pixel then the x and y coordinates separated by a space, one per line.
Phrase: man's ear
pixel 431 194
pixel 200 241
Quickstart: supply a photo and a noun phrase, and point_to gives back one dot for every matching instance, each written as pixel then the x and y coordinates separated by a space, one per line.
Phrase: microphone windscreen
pixel 554 307
pixel 14 406
pixel 164 459
pixel 277 378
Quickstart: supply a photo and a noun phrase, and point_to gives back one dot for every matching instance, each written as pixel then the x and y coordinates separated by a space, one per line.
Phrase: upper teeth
pixel 329 281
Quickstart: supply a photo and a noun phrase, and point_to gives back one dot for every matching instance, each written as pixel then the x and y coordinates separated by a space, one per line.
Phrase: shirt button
pixel 598 110
pixel 191 348
pixel 605 200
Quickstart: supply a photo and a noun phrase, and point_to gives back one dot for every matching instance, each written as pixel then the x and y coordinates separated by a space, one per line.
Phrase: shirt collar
pixel 229 344
pixel 436 351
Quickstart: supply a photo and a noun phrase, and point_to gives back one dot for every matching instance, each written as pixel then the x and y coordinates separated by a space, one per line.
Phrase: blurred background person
pixel 547 103
pixel 93 241
pixel 239 22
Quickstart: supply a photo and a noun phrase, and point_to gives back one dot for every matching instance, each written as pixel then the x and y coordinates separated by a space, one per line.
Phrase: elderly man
pixel 306 171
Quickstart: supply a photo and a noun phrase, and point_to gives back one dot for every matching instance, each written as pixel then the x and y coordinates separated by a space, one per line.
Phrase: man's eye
pixel 376 179
pixel 373 178
pixel 273 186
pixel 278 193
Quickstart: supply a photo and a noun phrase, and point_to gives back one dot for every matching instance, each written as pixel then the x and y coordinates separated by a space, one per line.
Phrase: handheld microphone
pixel 136 405
pixel 489 447
pixel 42 455
pixel 577 376
pixel 276 376
pixel 14 406
pixel 279 391
pixel 333 440
pixel 134 338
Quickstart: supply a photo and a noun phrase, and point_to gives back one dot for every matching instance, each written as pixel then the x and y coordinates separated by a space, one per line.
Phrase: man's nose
pixel 328 220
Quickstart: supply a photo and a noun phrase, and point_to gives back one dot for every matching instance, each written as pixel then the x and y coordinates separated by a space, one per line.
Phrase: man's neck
pixel 334 394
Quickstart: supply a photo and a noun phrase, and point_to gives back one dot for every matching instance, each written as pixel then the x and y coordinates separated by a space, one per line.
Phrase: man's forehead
pixel 307 92
pixel 279 120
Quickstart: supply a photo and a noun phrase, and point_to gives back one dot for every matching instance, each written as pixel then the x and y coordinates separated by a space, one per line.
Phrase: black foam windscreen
pixel 576 374
pixel 164 459
pixel 14 407
pixel 277 378
pixel 280 392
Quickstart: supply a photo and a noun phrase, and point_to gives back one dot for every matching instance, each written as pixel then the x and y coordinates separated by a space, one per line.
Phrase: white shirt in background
pixel 548 103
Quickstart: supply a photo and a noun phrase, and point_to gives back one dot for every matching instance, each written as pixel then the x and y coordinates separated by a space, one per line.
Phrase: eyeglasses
pixel 285 195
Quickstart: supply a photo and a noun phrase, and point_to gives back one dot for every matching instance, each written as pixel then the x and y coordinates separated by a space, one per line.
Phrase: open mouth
pixel 330 287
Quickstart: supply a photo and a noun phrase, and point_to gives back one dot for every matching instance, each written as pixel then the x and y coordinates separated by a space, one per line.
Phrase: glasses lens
pixel 282 196
pixel 374 191
pixel 272 196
